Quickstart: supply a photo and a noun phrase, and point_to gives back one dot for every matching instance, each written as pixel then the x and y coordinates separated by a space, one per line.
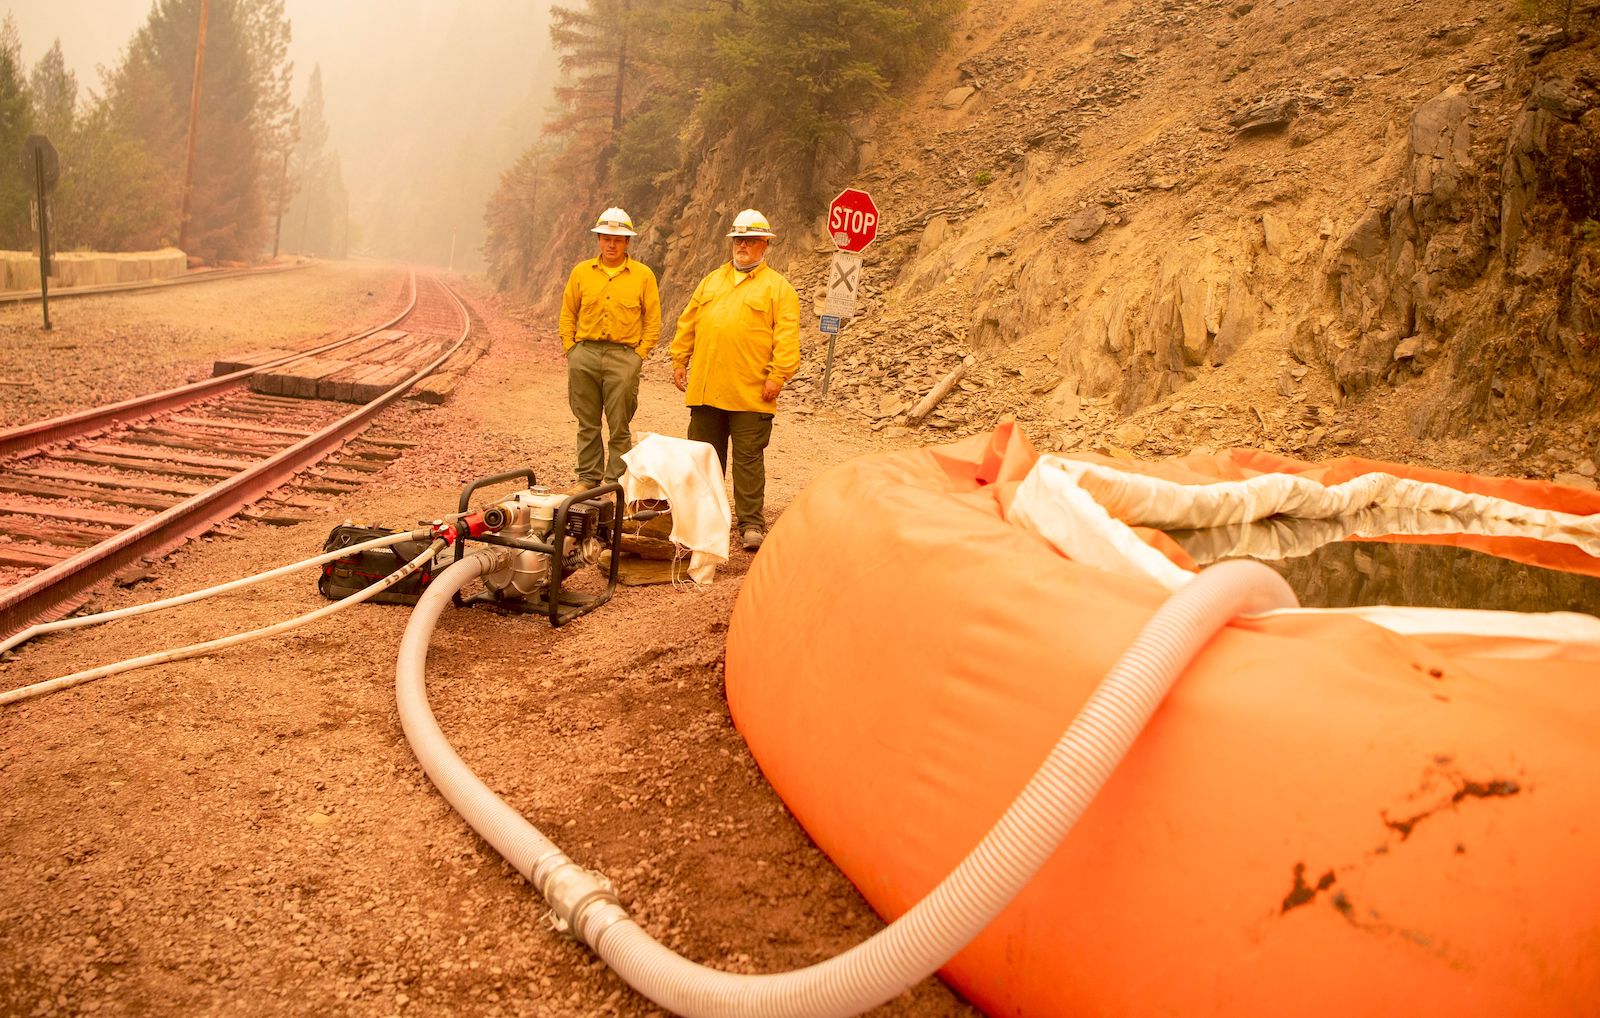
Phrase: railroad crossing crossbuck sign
pixel 852 220
pixel 844 284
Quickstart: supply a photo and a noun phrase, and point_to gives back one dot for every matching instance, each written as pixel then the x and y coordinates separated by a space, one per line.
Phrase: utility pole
pixel 306 177
pixel 194 124
pixel 283 197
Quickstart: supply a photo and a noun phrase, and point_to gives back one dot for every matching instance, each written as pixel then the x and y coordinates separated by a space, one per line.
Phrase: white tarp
pixel 1085 510
pixel 688 475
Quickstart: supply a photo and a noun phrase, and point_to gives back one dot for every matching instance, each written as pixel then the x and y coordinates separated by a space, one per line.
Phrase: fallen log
pixel 940 391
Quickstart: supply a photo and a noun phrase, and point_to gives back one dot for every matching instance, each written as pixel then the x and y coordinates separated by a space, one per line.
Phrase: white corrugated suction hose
pixel 914 946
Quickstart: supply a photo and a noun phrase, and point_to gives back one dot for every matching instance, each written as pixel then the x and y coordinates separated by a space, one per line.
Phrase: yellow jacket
pixel 623 309
pixel 740 329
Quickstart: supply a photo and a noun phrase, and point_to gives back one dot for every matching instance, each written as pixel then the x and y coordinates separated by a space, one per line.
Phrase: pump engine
pixel 548 536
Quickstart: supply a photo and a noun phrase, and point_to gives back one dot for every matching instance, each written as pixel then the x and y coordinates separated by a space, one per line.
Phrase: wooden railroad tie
pixel 71 513
pixel 166 456
pixel 31 558
pixel 42 489
pixel 172 469
pixel 235 425
pixel 160 484
pixel 229 363
pixel 52 533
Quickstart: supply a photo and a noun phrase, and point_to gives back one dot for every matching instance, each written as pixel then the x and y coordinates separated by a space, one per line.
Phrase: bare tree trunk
pixel 194 125
pixel 622 71
pixel 283 195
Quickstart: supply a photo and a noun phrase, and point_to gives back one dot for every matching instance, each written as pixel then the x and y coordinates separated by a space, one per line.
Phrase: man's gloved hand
pixel 770 389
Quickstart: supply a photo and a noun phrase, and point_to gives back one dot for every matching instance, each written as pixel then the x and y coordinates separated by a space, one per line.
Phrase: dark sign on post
pixel 40 162
pixel 42 168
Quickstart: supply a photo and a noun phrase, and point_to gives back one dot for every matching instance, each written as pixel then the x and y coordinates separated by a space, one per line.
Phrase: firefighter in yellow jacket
pixel 737 343
pixel 610 320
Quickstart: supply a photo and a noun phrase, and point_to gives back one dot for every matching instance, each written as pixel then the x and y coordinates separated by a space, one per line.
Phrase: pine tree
pixel 673 60
pixel 802 68
pixel 277 123
pixel 337 230
pixel 114 194
pixel 646 86
pixel 244 68
pixel 323 222
pixel 518 217
pixel 16 123
pixel 55 96
pixel 592 43
pixel 308 211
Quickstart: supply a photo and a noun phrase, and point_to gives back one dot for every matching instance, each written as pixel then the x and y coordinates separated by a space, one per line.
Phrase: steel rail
pixel 27 437
pixel 53 592
pixel 206 276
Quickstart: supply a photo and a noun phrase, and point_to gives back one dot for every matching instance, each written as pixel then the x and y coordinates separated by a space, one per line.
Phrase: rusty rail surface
pixel 66 584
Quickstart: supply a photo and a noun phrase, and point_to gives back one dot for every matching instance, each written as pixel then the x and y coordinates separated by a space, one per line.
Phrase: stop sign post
pixel 853 224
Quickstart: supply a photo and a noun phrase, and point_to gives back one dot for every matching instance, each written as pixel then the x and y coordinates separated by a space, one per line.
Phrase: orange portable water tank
pixel 1325 817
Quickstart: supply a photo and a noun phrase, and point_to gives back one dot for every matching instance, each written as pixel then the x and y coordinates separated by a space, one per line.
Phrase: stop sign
pixel 852 220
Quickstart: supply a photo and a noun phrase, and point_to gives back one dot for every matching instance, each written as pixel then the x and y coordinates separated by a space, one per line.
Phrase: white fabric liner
pixel 1281 537
pixel 688 475
pixel 1085 511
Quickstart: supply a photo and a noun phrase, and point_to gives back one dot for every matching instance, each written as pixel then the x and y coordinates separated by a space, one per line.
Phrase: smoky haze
pixel 427 102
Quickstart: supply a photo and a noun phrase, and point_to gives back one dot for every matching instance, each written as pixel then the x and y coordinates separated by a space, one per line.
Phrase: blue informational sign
pixel 830 324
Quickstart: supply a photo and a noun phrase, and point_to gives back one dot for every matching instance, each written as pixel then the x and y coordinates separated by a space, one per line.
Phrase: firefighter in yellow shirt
pixel 610 320
pixel 737 343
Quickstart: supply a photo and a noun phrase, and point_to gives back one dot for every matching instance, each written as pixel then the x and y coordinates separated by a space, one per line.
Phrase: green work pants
pixel 748 431
pixel 602 378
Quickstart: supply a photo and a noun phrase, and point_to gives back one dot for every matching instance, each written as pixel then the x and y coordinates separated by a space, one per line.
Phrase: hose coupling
pixel 488 520
pixel 494 517
pixel 572 891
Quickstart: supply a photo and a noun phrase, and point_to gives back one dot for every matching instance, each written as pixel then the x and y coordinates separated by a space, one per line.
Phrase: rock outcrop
pixel 1481 263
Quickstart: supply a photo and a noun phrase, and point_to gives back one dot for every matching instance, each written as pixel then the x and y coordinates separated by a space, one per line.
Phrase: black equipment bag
pixel 343 577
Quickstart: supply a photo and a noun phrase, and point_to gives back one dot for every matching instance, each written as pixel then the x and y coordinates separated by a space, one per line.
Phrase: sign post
pixel 42 168
pixel 853 224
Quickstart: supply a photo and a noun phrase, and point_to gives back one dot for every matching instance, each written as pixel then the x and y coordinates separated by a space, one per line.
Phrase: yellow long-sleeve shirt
pixel 624 308
pixel 740 329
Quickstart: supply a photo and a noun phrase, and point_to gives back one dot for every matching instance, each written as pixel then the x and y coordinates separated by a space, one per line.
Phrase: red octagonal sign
pixel 852 220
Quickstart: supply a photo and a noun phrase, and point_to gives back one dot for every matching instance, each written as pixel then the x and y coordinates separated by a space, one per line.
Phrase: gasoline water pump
pixel 548 537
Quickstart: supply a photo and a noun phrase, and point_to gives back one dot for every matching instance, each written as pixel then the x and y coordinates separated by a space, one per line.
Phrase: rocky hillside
pixel 1318 229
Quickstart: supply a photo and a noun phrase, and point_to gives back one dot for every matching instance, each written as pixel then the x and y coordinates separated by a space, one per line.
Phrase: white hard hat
pixel 614 222
pixel 751 223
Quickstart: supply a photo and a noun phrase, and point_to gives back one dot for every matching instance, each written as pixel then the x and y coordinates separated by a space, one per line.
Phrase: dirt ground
pixel 249 833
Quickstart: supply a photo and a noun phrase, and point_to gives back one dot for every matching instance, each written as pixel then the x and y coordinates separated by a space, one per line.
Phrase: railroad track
pixel 92 495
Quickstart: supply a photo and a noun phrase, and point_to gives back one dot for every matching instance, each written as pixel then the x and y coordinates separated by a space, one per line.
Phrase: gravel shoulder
pixel 104 348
